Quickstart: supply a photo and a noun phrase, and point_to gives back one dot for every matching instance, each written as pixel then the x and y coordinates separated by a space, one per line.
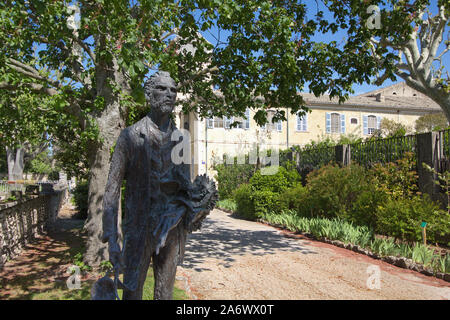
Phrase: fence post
pixel 428 152
pixel 343 154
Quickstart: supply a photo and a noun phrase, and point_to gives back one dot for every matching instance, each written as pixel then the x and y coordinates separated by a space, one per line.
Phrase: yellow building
pixel 359 116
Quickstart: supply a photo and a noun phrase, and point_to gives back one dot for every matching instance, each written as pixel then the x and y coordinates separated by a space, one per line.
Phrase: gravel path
pixel 233 259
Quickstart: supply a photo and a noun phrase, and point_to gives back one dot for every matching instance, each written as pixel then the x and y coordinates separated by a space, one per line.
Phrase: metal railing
pixel 315 157
pixel 382 150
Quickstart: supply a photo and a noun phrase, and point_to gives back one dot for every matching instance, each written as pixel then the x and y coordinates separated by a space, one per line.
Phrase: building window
pixel 354 121
pixel 334 122
pixel 247 119
pixel 302 123
pixel 371 123
pixel 278 126
pixel 243 122
pixel 225 122
pixel 210 122
pixel 218 122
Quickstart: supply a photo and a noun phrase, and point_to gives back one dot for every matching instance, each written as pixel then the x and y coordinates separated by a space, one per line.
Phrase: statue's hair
pixel 150 83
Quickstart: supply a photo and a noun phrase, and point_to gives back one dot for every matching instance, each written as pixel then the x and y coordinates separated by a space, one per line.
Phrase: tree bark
pixel 444 102
pixel 15 158
pixel 436 94
pixel 96 251
pixel 110 124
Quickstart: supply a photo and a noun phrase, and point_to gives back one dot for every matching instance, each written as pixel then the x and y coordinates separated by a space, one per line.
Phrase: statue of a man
pixel 161 203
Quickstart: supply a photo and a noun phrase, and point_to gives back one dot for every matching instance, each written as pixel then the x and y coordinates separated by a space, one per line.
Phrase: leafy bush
pixel 333 190
pixel 230 177
pixel 401 218
pixel 274 183
pixel 399 179
pixel 294 198
pixel 265 201
pixel 267 190
pixel 228 204
pixel 263 192
pixel 363 209
pixel 244 203
pixel 80 198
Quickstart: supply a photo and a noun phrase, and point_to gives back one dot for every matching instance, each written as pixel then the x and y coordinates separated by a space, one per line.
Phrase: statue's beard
pixel 162 107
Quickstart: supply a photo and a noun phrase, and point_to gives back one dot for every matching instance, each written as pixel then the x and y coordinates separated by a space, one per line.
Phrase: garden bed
pixel 398 261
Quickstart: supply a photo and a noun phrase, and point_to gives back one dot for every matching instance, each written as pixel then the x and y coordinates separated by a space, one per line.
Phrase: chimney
pixel 379 97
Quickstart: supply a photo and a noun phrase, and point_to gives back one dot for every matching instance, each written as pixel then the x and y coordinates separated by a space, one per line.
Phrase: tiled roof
pixel 392 97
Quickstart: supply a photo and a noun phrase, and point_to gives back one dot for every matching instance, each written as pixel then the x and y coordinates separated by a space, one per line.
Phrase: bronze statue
pixel 162 205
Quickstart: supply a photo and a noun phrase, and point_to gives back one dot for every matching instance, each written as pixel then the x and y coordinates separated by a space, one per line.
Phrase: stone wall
pixel 24 221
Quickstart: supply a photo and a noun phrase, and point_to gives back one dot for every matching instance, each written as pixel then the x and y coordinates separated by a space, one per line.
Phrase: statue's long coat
pixel 155 191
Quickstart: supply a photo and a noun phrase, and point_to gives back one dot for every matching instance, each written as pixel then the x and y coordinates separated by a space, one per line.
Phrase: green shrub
pixel 333 190
pixel 291 173
pixel 265 201
pixel 402 218
pixel 80 198
pixel 263 193
pixel 274 182
pixel 230 177
pixel 363 209
pixel 244 204
pixel 399 179
pixel 228 204
pixel 294 198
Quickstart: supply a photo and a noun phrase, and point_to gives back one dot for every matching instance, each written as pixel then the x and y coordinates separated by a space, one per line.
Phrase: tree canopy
pixel 88 60
pixel 408 39
pixel 431 122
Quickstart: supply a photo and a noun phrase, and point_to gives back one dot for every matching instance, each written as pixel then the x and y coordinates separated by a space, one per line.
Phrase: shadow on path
pixel 223 236
pixel 43 263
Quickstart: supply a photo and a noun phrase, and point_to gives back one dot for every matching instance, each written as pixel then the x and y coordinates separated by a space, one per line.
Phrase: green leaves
pixel 262 55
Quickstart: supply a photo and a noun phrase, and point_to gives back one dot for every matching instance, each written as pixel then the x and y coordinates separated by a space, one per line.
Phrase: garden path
pixel 232 259
pixel 42 268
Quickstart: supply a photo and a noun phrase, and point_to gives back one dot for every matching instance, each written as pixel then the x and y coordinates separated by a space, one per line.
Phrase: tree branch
pixel 38 88
pixel 413 83
pixel 30 72
pixel 72 108
pixel 85 47
pixel 197 75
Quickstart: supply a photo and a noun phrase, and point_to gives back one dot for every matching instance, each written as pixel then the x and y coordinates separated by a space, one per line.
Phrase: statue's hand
pixel 115 256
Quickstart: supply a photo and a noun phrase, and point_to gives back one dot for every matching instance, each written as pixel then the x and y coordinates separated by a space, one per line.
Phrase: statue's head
pixel 161 91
